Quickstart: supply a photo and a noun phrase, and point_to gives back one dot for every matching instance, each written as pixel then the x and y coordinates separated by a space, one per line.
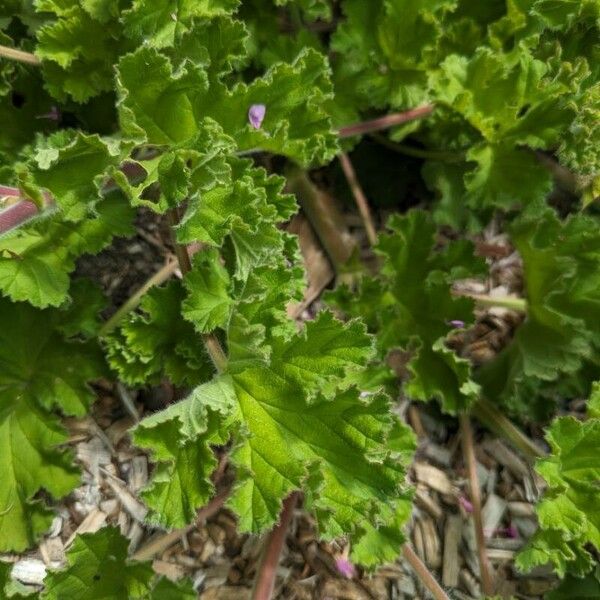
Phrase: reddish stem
pixel 7 190
pixel 267 570
pixel 469 454
pixel 16 214
pixel 423 573
pixel 386 121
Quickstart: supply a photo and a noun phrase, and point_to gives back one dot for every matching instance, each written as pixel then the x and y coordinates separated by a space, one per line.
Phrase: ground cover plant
pixel 215 119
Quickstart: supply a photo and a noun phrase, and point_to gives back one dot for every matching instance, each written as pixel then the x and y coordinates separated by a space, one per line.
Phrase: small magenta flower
pixel 456 323
pixel 465 504
pixel 256 115
pixel 345 567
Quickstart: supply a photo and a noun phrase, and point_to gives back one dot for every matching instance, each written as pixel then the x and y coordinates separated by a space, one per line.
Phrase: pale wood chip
pixel 427 503
pixel 170 570
pixel 134 535
pixel 492 513
pixel 506 457
pixel 119 429
pixel 52 551
pixel 434 478
pixel 92 522
pixel 498 555
pixel 129 502
pixel 30 571
pixel 451 563
pixel 138 475
pixel 343 590
pixel 228 592
pixel 438 454
pixel 431 542
pixel 521 509
pixel 470 583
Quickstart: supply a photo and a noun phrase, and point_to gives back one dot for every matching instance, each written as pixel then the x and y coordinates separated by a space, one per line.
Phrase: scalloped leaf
pixel 41 373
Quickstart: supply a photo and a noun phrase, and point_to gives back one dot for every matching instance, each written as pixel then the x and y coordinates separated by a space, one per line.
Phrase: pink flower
pixel 465 504
pixel 345 567
pixel 456 323
pixel 256 115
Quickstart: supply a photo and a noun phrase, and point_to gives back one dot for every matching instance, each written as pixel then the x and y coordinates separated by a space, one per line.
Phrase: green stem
pixel 211 342
pixel 134 301
pixel 497 422
pixel 440 155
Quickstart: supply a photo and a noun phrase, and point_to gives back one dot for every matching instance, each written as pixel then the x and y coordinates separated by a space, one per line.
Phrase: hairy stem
pixel 211 342
pixel 19 56
pixel 427 579
pixel 386 121
pixel 469 455
pixel 359 196
pixel 16 214
pixel 134 301
pixel 267 570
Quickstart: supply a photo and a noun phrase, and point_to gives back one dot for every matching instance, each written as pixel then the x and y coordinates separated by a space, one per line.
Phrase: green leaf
pixel 160 24
pixel 478 89
pixel 36 260
pixel 72 167
pixel 169 106
pixel 40 373
pixel 157 342
pixel 561 268
pixel 78 50
pixel 98 568
pixel 409 306
pixel 208 303
pixel 569 522
pixel 488 185
pixel 286 435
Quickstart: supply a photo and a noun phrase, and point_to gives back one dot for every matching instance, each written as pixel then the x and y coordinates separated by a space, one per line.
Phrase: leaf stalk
pixel 19 56
pixel 267 570
pixel 469 455
pixel 427 579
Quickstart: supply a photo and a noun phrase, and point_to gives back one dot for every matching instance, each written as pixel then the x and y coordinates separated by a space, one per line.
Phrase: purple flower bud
pixel 465 504
pixel 512 532
pixel 456 323
pixel 345 567
pixel 256 115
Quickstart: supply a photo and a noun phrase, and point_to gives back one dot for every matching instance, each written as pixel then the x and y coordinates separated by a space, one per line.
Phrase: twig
pixel 386 121
pixel 428 580
pixel 359 197
pixel 211 342
pixel 133 302
pixel 469 454
pixel 267 570
pixel 160 544
pixel 19 56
